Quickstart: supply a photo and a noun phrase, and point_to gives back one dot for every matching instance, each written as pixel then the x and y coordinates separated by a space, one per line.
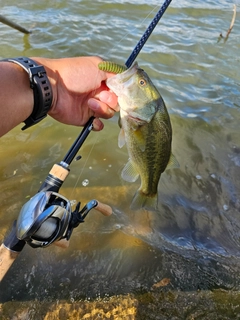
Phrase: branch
pixel 231 25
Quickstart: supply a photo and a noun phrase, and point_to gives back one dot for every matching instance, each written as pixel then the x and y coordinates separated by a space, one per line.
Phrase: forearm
pixel 78 92
pixel 16 96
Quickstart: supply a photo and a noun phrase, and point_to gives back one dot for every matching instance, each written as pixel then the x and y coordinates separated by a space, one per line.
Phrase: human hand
pixel 79 90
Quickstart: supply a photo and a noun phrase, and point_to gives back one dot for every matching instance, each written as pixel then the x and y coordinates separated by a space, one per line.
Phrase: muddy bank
pixel 156 304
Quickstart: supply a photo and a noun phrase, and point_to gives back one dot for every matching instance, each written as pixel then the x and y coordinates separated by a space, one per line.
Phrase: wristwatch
pixel 42 90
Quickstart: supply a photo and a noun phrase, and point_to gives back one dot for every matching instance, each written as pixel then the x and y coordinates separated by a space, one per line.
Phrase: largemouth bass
pixel 146 130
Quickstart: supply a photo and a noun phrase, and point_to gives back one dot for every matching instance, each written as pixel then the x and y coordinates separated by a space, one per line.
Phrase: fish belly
pixel 149 149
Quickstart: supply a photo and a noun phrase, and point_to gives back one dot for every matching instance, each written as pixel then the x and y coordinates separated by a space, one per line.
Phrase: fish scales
pixel 146 130
pixel 151 162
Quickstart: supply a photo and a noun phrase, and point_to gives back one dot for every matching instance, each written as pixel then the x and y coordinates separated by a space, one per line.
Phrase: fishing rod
pixel 14 25
pixel 47 218
pixel 147 33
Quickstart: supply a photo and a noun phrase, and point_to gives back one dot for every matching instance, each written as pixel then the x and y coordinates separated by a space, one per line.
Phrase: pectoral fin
pixel 172 163
pixel 119 122
pixel 129 172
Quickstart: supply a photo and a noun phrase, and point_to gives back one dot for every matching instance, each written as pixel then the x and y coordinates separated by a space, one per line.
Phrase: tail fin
pixel 142 201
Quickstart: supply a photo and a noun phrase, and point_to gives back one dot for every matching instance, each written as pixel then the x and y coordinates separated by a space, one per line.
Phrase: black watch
pixel 42 90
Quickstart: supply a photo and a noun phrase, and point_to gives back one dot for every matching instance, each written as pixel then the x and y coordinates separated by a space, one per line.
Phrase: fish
pixel 145 129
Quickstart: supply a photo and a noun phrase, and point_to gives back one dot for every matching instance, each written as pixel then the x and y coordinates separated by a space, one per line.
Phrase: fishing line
pixel 136 50
pixel 133 30
pixel 83 167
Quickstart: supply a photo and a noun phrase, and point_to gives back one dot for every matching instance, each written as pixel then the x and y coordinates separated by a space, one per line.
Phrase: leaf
pixel 163 283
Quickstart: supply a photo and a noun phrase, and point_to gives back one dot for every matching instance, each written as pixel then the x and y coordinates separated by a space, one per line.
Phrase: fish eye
pixel 142 82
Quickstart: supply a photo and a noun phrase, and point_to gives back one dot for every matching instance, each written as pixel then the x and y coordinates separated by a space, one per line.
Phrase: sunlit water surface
pixel 194 237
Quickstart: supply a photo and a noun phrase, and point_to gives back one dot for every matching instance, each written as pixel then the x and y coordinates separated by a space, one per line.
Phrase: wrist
pixel 50 69
pixel 16 97
pixel 41 88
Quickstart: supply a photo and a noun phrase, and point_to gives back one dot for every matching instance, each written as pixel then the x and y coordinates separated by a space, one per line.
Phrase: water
pixel 194 237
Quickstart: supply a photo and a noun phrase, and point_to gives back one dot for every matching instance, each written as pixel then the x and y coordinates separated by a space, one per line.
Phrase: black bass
pixel 146 130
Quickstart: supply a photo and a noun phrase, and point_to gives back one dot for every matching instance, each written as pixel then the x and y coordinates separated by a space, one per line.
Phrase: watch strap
pixel 42 90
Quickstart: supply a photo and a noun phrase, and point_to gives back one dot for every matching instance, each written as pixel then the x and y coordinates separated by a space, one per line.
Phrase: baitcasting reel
pixel 47 217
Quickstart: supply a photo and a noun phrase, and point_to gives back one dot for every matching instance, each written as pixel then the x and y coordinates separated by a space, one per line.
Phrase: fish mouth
pixel 127 74
pixel 121 78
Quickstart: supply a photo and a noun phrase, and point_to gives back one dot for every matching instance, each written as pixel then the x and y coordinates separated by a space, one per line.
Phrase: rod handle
pixel 55 178
pixel 7 257
pixel 105 209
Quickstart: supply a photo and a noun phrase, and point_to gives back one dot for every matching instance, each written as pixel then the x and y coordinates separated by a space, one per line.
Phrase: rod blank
pixel 147 34
pixel 13 25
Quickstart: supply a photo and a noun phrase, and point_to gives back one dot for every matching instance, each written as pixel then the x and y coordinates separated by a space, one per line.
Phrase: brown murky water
pixel 193 238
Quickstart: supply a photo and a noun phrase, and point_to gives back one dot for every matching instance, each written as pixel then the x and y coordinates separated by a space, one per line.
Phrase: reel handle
pixel 105 209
